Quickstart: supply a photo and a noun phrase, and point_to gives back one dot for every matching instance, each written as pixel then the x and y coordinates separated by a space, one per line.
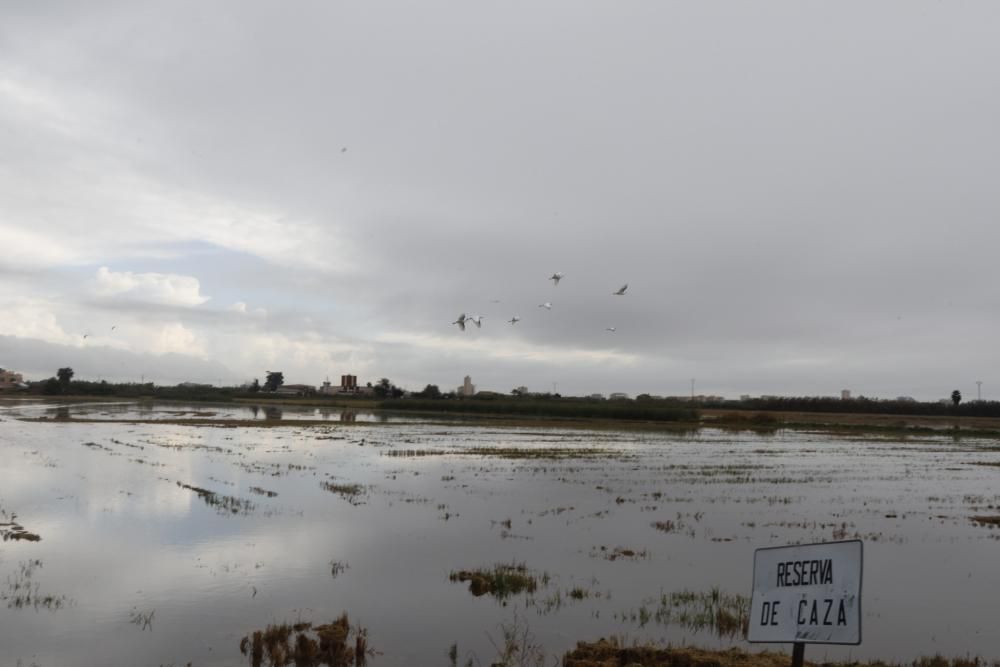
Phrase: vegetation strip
pixel 614 653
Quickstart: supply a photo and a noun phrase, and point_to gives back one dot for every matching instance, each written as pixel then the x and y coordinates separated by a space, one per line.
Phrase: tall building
pixel 348 383
pixel 845 394
pixel 467 388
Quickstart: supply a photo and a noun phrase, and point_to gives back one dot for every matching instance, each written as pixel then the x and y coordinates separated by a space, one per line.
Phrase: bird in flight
pixel 621 290
pixel 85 336
pixel 477 320
pixel 547 305
pixel 460 322
pixel 611 329
pixel 514 320
pixel 114 327
pixel 556 277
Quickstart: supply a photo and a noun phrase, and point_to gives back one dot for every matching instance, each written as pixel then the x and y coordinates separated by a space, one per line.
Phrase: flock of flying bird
pixel 463 319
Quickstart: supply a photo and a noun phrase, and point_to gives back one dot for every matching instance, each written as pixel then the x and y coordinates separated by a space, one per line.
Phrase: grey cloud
pixel 780 182
pixel 38 360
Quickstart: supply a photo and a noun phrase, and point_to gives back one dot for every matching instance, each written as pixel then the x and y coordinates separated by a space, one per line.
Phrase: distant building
pixel 745 397
pixel 617 396
pixel 327 389
pixel 10 379
pixel 295 390
pixel 597 397
pixel 906 399
pixel 466 388
pixel 348 383
pixel 845 394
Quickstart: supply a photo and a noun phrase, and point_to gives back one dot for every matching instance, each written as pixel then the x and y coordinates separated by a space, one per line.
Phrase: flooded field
pixel 164 543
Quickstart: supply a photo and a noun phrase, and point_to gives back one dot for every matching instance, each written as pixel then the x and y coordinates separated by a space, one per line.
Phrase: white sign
pixel 807 593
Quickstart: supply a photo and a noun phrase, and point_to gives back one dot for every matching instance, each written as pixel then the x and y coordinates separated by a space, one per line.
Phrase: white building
pixel 10 379
pixel 466 388
pixel 845 394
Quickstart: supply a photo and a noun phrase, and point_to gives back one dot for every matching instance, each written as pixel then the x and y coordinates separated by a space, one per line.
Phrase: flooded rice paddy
pixel 163 543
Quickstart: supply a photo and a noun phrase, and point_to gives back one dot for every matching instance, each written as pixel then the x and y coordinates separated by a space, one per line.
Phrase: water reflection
pixel 223 530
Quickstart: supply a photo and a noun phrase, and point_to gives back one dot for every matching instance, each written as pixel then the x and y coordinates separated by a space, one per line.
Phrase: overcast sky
pixel 802 196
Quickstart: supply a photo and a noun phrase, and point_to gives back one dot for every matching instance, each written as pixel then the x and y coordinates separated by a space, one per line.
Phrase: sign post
pixel 808 593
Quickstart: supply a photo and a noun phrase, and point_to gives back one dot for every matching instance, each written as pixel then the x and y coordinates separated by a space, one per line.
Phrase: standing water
pixel 137 534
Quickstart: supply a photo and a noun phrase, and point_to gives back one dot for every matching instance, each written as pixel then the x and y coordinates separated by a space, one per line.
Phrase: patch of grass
pixel 986 520
pixel 335 644
pixel 15 531
pixel 501 582
pixel 724 614
pixel 348 492
pixel 21 592
pixel 618 553
pixel 225 505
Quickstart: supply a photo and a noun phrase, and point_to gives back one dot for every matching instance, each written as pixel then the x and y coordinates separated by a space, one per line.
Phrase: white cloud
pixel 163 288
pixel 176 338
pixel 34 318
pixel 23 249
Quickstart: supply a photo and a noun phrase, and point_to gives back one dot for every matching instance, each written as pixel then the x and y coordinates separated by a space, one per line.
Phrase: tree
pixel 64 375
pixel 255 386
pixel 52 387
pixel 274 380
pixel 383 388
pixel 956 397
pixel 430 391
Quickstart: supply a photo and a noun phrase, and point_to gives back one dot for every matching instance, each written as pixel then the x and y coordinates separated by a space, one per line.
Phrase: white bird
pixel 621 290
pixel 611 329
pixel 460 321
pixel 556 277
pixel 547 305
pixel 514 320
pixel 477 320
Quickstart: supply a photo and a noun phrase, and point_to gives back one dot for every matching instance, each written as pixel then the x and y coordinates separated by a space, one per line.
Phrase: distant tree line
pixel 566 408
pixel 864 405
pixel 432 398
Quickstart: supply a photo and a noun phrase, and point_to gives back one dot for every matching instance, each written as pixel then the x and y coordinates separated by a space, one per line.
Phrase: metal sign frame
pixel 798 642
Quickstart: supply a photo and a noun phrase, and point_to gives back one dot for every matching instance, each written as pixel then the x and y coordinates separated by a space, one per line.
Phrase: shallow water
pixel 121 536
